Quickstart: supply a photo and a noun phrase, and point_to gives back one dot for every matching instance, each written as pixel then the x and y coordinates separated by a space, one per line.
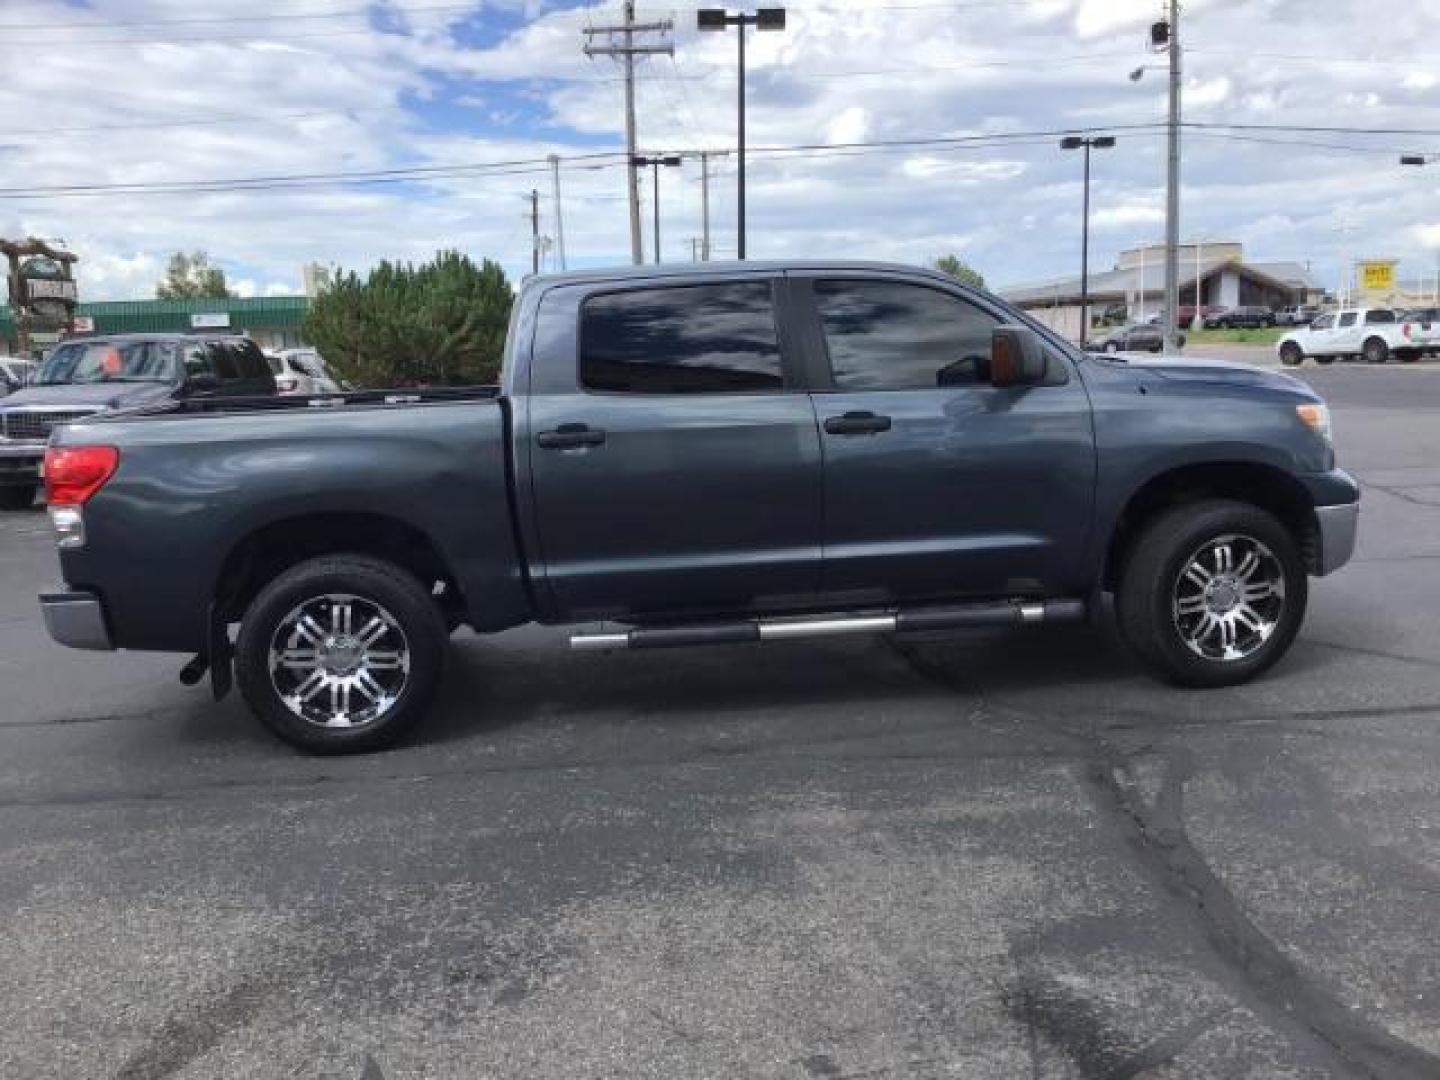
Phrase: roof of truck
pixel 753 266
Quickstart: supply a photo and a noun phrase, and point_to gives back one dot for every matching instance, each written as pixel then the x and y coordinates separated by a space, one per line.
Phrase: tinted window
pixel 251 361
pixel 224 361
pixel 1380 316
pixel 886 335
pixel 197 361
pixel 1324 322
pixel 1347 318
pixel 692 340
pixel 107 361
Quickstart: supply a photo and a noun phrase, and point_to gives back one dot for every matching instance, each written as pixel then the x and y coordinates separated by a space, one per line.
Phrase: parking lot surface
pixel 993 855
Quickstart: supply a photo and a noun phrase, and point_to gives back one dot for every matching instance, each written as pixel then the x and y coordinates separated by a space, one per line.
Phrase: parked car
pixel 1297 315
pixel 1372 333
pixel 14 373
pixel 1422 327
pixel 301 371
pixel 1243 317
pixel 702 454
pixel 103 374
pixel 1137 337
pixel 1185 315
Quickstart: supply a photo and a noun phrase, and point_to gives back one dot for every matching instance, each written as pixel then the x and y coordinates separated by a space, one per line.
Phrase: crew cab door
pixel 1318 339
pixel 674 460
pixel 1345 338
pixel 936 483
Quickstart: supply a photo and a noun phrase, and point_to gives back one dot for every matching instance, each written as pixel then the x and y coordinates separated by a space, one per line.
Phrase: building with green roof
pixel 273 322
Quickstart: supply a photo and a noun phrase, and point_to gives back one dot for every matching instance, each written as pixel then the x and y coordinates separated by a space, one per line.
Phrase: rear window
pixel 693 339
pixel 277 365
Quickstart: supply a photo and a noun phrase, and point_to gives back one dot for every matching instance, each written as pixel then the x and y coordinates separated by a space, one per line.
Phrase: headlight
pixel 1315 416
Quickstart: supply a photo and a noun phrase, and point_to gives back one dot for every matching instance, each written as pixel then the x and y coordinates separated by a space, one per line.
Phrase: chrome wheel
pixel 339 661
pixel 1228 598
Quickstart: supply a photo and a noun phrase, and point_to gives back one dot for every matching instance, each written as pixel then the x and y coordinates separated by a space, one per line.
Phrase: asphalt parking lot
pixel 988 856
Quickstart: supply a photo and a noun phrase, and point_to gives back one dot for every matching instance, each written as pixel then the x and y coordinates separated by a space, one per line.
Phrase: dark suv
pixel 101 374
pixel 1247 317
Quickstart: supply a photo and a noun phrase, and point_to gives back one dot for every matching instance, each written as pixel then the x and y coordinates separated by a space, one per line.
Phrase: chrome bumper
pixel 1338 525
pixel 76 619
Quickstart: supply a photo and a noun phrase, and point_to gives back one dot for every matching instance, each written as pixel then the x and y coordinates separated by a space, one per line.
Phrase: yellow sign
pixel 1379 276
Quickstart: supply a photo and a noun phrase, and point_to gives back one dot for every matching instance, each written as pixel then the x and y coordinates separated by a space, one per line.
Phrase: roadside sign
pixel 1377 275
pixel 45 337
pixel 209 320
pixel 83 324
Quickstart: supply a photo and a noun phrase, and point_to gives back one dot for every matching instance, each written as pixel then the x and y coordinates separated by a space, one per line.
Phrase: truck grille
pixel 24 426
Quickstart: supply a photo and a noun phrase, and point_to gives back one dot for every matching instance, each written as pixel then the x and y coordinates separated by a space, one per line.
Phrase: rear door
pixel 936 483
pixel 674 456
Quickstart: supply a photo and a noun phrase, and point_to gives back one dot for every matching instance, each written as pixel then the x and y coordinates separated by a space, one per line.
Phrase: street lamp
pixel 761 19
pixel 1076 142
pixel 1426 159
pixel 668 160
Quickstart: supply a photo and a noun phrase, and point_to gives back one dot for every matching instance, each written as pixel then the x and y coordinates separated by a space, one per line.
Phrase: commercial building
pixel 273 322
pixel 1134 290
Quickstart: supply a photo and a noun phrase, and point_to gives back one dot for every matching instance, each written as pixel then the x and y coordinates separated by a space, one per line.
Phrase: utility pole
pixel 534 230
pixel 1172 181
pixel 559 220
pixel 627 50
pixel 704 206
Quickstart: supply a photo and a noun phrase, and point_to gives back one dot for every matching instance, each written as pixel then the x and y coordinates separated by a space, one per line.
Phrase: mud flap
pixel 219 652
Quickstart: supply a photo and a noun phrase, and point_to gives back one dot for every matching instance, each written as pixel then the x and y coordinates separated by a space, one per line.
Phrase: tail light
pixel 1405 329
pixel 75 473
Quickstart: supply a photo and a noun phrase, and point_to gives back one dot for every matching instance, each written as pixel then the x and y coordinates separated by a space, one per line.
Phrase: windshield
pixel 107 362
pixel 277 363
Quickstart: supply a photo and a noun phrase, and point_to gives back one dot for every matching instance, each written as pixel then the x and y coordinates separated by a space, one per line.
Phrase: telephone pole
pixel 622 44
pixel 559 220
pixel 1171 318
pixel 534 230
pixel 704 206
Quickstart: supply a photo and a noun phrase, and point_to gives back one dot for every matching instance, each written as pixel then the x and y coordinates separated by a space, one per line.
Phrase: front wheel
pixel 341 653
pixel 1212 594
pixel 1291 355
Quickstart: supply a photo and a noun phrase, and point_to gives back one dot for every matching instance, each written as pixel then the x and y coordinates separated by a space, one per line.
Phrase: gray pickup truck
pixel 693 456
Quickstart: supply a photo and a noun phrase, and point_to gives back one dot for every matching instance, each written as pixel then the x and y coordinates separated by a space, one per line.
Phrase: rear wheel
pixel 1112 347
pixel 1291 355
pixel 1212 594
pixel 341 654
pixel 17 498
pixel 1375 351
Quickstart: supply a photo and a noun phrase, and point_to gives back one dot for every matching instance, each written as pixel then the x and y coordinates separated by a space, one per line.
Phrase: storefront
pixel 273 322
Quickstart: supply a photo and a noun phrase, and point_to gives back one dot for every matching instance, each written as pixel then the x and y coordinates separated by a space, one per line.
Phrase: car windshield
pixel 277 363
pixel 108 362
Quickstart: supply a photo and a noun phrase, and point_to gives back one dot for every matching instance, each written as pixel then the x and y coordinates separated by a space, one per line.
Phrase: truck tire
pixel 17 498
pixel 1375 351
pixel 1291 355
pixel 1212 593
pixel 341 654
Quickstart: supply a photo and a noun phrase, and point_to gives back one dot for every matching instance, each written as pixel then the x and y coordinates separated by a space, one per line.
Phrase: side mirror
pixel 1016 357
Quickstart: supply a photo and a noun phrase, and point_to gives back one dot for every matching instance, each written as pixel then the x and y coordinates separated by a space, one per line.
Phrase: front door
pixel 937 484
pixel 681 476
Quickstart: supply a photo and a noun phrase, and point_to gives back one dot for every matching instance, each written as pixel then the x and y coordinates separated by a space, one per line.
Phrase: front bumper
pixel 76 619
pixel 1338 526
pixel 20 462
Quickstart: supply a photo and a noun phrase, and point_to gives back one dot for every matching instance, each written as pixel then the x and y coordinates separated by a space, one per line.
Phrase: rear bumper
pixel 1338 527
pixel 76 619
pixel 20 462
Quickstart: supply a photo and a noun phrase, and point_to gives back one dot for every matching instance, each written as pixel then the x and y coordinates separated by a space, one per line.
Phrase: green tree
pixel 192 276
pixel 960 270
pixel 441 323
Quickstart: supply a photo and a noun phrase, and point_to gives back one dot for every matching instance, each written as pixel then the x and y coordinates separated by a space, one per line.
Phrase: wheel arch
pixel 271 549
pixel 1265 486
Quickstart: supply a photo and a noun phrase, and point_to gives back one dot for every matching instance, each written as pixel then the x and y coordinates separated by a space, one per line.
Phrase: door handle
pixel 568 436
pixel 857 423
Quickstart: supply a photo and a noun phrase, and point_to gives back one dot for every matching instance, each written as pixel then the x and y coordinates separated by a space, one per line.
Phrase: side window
pixel 885 335
pixel 693 339
pixel 197 361
pixel 1379 316
pixel 1324 322
pixel 1347 318
pixel 251 361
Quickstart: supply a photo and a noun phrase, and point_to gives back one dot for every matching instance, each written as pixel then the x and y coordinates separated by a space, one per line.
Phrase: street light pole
pixel 720 19
pixel 1172 187
pixel 1075 142
pixel 669 160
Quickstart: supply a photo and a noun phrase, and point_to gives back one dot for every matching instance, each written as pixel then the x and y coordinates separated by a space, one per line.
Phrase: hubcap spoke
pixel 1228 598
pixel 325 665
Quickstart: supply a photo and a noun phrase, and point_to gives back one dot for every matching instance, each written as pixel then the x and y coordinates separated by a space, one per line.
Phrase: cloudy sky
pixel 167 92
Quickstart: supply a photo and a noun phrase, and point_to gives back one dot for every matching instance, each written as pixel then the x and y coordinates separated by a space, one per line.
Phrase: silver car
pixel 301 371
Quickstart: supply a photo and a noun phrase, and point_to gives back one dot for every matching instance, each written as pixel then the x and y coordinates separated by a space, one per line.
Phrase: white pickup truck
pixel 1373 334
